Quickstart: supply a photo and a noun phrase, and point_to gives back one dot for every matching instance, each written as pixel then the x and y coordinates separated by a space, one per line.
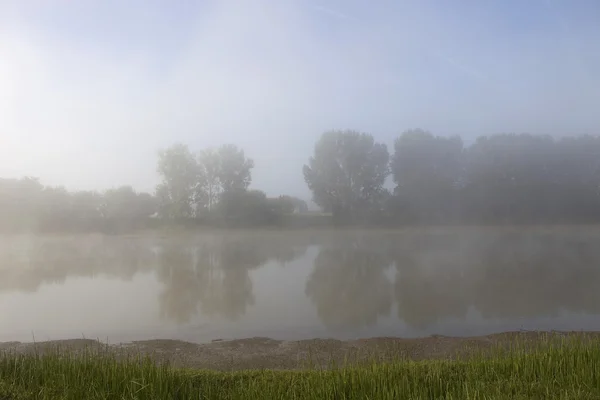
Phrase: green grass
pixel 557 369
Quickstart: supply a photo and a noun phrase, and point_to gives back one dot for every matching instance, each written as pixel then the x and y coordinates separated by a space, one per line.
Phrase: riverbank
pixel 266 353
pixel 511 365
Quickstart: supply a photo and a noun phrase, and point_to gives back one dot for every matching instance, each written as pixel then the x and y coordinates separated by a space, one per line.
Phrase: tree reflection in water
pixel 212 277
pixel 348 285
pixel 512 274
pixel 500 273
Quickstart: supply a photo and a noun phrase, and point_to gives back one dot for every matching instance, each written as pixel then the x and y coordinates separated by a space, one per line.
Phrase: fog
pixel 89 91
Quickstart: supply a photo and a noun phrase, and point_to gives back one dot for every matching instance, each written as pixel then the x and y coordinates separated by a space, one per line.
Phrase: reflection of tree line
pixel 213 278
pixel 206 273
pixel 502 274
pixel 506 275
pixel 26 262
pixel 348 285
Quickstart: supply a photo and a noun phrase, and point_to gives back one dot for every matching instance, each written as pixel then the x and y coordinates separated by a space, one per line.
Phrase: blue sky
pixel 90 90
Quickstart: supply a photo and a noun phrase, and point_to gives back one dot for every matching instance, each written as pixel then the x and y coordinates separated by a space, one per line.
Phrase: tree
pixel 147 204
pixel 180 174
pixel 300 205
pixel 289 204
pixel 124 203
pixel 55 210
pixel 120 203
pixel 347 173
pixel 234 168
pixel 209 190
pixel 192 183
pixel 576 172
pixel 87 209
pixel 282 204
pixel 533 178
pixel 427 171
pixel 20 201
pixel 243 207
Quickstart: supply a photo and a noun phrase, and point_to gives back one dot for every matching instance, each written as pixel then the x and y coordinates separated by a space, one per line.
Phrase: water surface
pixel 295 285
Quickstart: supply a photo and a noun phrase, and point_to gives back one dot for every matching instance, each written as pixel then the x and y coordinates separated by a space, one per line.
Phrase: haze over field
pixel 89 91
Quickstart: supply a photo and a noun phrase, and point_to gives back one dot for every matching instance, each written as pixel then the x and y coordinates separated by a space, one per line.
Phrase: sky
pixel 90 90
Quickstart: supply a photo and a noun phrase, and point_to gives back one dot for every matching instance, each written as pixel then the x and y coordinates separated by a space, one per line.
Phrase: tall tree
pixel 532 178
pixel 235 169
pixel 427 170
pixel 347 172
pixel 180 174
pixel 209 189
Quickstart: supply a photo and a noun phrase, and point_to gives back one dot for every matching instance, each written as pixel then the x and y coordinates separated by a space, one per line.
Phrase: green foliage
pixel 235 169
pixel 531 179
pixel 288 205
pixel 179 171
pixel 27 205
pixel 347 172
pixel 193 185
pixel 503 178
pixel 208 190
pixel 125 203
pixel 499 179
pixel 291 204
pixel 19 203
pixel 567 369
pixel 210 186
pixel 527 178
pixel 241 207
pixel 283 204
pixel 427 170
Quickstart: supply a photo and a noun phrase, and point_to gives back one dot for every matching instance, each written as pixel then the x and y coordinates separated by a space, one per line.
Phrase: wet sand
pixel 259 353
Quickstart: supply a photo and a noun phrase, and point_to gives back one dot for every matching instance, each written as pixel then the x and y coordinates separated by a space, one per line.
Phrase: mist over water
pixel 299 284
pixel 299 121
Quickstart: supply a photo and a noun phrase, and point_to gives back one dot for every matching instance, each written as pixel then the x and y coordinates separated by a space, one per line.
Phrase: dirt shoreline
pixel 259 352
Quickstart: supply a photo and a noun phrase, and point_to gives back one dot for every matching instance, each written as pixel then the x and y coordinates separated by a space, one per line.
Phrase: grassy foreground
pixel 556 369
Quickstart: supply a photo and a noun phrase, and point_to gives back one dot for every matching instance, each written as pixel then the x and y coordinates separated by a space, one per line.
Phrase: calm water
pixel 293 285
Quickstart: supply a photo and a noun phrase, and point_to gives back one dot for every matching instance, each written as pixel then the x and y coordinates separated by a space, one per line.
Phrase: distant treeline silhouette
pixel 499 179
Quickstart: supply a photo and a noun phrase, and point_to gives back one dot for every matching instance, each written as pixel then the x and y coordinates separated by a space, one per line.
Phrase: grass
pixel 556 369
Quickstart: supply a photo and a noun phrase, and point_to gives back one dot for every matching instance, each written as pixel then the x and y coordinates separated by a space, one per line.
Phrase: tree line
pixel 27 205
pixel 210 187
pixel 498 179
